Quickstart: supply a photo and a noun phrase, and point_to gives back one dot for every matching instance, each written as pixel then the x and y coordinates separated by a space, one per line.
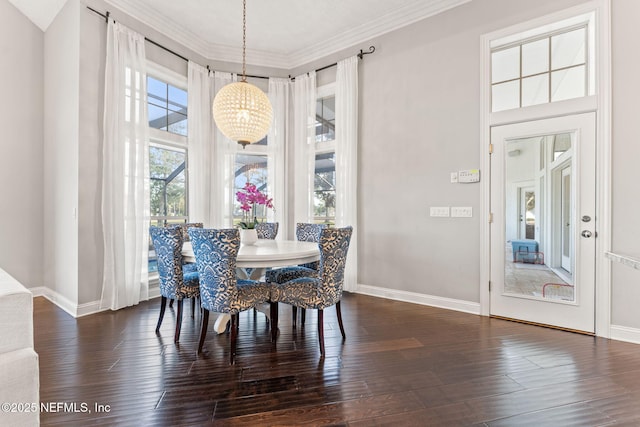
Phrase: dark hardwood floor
pixel 401 365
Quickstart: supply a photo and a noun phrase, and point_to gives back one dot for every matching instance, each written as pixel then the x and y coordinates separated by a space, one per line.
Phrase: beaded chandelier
pixel 242 111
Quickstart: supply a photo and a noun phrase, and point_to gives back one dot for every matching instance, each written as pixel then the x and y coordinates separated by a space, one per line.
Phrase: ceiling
pixel 280 33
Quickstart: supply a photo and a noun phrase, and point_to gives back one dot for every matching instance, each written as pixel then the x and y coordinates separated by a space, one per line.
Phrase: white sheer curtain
pixel 125 174
pixel 304 121
pixel 202 203
pixel 222 176
pixel 347 161
pixel 279 92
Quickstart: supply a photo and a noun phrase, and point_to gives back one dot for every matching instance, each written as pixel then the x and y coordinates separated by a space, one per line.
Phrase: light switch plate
pixel 442 211
pixel 454 177
pixel 461 212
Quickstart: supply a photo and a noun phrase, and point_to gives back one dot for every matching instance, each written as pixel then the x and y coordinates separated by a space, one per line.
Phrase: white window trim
pixel 600 102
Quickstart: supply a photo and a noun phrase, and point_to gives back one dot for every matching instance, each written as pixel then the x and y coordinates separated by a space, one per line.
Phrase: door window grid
pixel 548 68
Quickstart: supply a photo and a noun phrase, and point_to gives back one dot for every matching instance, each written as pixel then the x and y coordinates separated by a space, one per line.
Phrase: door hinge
pixel 490 148
pixel 490 217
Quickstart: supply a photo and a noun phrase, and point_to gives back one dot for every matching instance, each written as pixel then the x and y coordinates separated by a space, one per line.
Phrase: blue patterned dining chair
pixel 191 266
pixel 175 284
pixel 220 291
pixel 305 232
pixel 267 230
pixel 321 291
pixel 187 267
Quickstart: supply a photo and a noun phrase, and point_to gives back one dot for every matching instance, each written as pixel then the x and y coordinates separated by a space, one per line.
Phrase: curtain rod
pixel 360 55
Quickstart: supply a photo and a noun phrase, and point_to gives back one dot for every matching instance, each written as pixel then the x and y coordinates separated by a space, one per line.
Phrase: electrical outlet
pixel 461 212
pixel 439 211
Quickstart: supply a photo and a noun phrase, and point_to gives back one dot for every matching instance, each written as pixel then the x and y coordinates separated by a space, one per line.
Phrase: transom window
pixel 326 119
pixel 167 106
pixel 547 68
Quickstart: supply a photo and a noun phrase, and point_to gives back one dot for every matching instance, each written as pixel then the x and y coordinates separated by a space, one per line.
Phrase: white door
pixel 528 281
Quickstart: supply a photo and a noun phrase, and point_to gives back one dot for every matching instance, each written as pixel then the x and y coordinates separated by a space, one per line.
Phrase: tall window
pixel 324 191
pixel 543 65
pixel 167 108
pixel 250 167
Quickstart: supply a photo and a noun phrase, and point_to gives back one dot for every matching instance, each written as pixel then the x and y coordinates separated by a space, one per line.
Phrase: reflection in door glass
pixel 538 212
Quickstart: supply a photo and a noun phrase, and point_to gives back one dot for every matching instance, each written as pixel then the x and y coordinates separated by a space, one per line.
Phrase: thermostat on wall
pixel 469 175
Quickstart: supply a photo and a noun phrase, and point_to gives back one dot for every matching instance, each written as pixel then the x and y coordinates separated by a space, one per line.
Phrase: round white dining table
pixel 265 253
pixel 268 253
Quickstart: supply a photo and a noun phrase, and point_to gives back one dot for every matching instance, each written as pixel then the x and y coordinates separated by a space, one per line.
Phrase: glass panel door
pixel 542 267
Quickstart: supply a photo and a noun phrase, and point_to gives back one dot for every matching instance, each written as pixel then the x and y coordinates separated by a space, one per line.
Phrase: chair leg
pixel 339 313
pixel 294 315
pixel 303 315
pixel 321 331
pixel 193 308
pixel 274 321
pixel 234 338
pixel 176 337
pixel 203 329
pixel 163 305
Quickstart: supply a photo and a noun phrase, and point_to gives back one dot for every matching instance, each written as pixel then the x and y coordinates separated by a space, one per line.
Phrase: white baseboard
pixel 623 333
pixel 75 310
pixel 430 300
pixel 78 310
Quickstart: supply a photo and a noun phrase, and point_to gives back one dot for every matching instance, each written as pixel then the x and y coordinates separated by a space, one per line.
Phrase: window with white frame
pixel 324 183
pixel 251 166
pixel 168 178
pixel 547 64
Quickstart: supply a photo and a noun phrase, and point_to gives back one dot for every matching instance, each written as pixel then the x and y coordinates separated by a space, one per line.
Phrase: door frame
pixel 599 103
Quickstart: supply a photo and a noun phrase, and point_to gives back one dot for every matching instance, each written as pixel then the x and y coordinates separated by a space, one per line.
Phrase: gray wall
pixel 21 155
pixel 625 157
pixel 61 118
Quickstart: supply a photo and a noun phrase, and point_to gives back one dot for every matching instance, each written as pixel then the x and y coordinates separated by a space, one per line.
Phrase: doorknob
pixel 586 233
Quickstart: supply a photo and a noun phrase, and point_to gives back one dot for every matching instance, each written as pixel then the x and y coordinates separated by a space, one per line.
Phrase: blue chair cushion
pixel 301 292
pixel 282 275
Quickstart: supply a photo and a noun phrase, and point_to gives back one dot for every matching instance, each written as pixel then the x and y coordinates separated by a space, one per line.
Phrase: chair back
pixel 307 232
pixel 267 230
pixel 167 242
pixel 186 226
pixel 334 245
pixel 216 252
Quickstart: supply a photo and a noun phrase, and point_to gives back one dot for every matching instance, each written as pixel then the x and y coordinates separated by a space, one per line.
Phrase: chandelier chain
pixel 244 40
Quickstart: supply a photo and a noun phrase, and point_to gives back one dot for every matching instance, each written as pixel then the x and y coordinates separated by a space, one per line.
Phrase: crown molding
pixel 395 20
pixel 162 25
pixel 399 18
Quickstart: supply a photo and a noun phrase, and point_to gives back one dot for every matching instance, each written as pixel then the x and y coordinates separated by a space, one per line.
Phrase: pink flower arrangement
pixel 248 198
